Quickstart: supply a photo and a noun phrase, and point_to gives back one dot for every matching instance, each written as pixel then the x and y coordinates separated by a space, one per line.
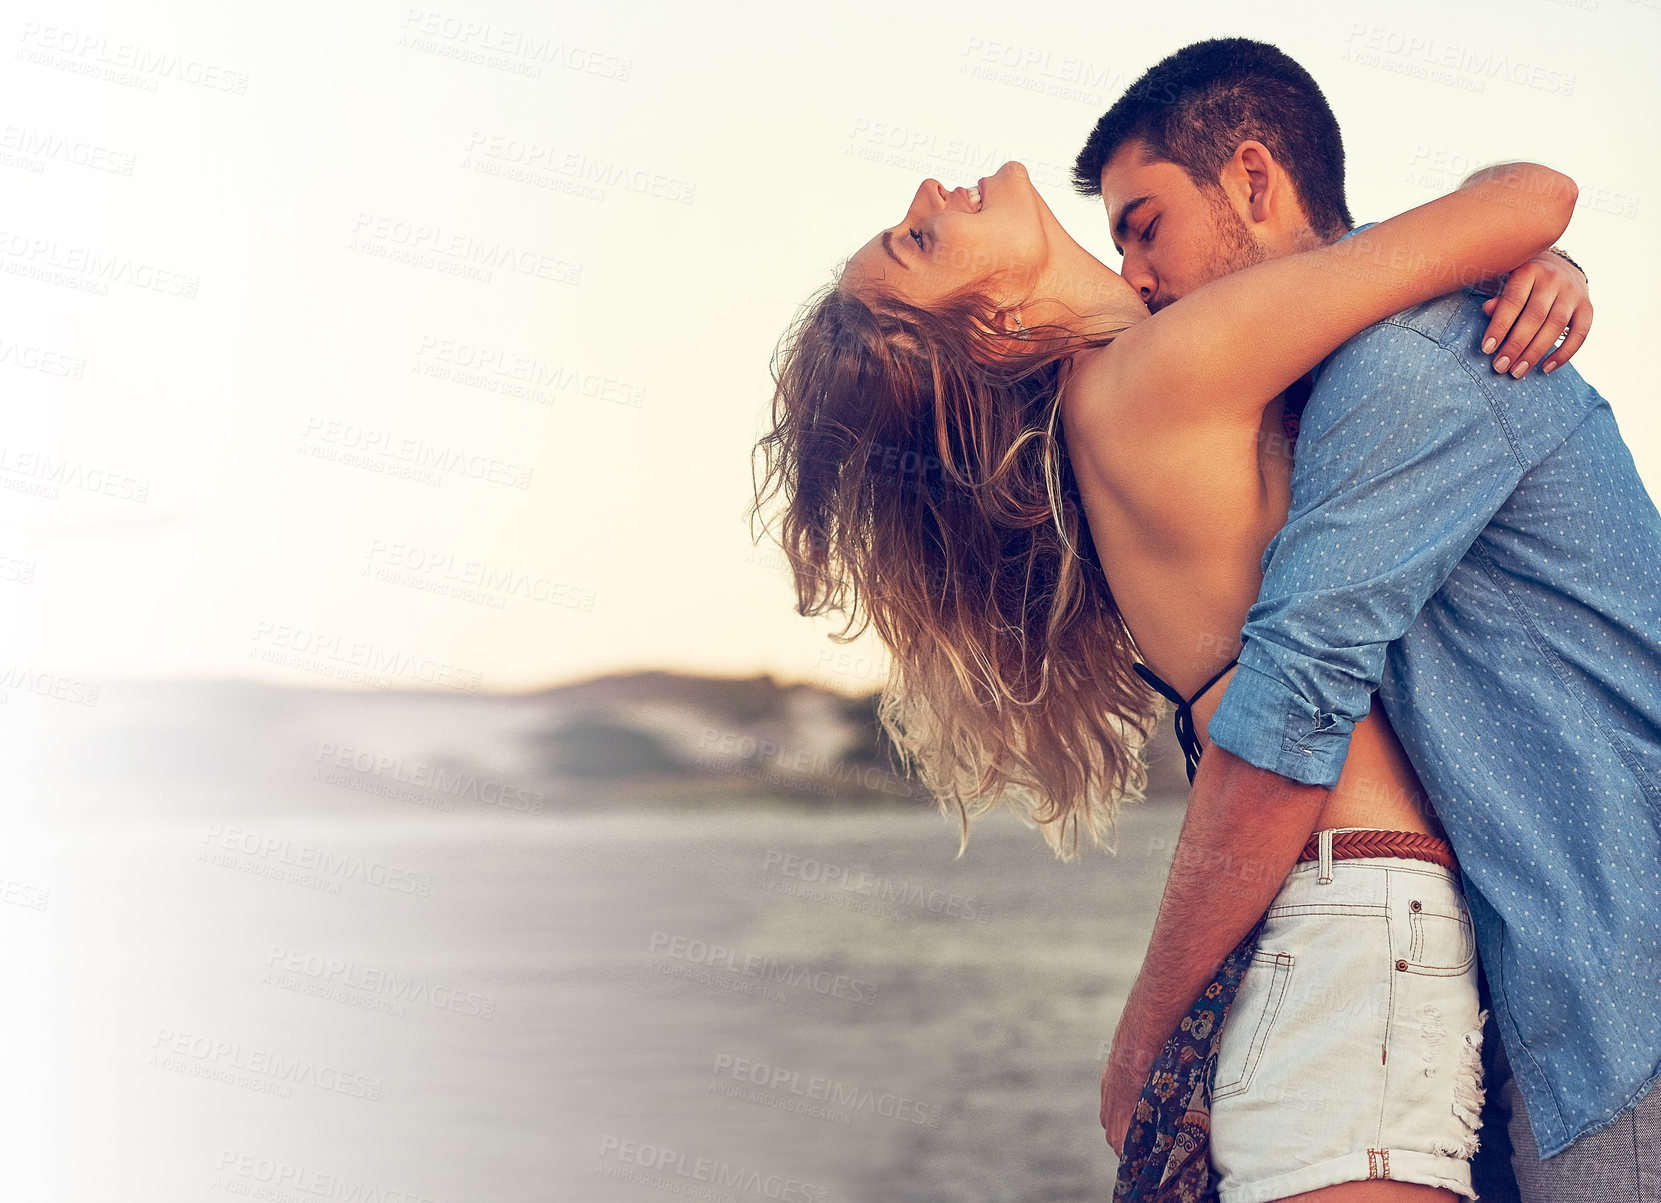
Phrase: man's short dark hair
pixel 1195 107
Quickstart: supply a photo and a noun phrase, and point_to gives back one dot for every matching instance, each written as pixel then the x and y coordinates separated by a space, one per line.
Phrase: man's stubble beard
pixel 1236 248
pixel 1233 247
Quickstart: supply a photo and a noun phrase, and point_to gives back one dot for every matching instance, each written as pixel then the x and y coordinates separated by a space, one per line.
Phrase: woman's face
pixel 993 238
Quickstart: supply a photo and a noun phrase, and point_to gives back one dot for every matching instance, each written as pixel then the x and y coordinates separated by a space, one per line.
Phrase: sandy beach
pixel 232 975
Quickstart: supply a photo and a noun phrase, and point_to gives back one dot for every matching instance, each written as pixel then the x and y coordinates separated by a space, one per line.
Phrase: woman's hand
pixel 1540 300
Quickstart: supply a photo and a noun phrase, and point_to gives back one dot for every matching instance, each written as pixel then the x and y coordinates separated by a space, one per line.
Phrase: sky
pixel 385 346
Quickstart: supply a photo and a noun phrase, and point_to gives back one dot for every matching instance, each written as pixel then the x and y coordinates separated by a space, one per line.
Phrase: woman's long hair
pixel 927 490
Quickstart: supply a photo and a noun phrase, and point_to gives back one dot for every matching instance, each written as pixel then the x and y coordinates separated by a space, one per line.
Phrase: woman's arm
pixel 1228 348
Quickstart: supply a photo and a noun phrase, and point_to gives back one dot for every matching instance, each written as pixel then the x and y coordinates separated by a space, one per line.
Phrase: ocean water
pixel 228 976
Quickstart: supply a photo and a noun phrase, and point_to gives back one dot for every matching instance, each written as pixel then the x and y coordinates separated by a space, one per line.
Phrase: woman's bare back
pixel 1180 520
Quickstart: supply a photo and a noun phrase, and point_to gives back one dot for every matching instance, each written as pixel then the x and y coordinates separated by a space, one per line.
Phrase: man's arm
pixel 1402 459
pixel 1240 836
pixel 1401 462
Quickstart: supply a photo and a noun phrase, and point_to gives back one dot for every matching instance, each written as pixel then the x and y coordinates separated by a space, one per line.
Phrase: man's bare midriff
pixel 1377 787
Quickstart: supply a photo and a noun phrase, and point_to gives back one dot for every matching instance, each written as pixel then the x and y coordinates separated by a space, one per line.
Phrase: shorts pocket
pixel 1440 942
pixel 1250 1018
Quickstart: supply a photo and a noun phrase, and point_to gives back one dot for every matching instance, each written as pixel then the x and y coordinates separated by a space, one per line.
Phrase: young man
pixel 1469 538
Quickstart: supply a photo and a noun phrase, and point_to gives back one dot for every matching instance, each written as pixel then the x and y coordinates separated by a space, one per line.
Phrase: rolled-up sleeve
pixel 1401 461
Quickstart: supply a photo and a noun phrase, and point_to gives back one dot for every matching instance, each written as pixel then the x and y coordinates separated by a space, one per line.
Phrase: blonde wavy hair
pixel 927 490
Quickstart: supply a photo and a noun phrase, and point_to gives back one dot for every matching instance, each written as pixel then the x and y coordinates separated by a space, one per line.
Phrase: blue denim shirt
pixel 1481 551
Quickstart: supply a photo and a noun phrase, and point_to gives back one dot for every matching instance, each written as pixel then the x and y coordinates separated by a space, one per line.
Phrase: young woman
pixel 991 450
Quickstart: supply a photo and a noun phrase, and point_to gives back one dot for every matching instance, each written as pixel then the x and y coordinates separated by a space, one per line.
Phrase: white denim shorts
pixel 1353 1047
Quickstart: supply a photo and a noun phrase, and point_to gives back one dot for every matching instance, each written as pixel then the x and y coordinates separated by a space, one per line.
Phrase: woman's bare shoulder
pixel 1169 486
pixel 1128 429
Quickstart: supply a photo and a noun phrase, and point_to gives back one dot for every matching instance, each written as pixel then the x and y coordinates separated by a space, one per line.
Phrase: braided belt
pixel 1409 844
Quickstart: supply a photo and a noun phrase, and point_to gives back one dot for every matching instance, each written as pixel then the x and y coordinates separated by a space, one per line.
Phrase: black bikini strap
pixel 1184 717
pixel 1157 684
pixel 1164 690
pixel 1201 691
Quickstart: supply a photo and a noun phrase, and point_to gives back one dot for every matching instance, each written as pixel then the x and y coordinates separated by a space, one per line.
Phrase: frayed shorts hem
pixel 1396 1165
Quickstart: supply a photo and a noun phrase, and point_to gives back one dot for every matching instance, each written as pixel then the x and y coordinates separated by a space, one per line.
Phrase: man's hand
pixel 1121 1086
pixel 1242 834
pixel 1541 299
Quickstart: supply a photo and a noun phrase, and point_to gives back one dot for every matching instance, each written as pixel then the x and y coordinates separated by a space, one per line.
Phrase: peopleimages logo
pixel 446 573
pixel 253 1068
pixel 763 968
pixel 479 42
pixel 42 684
pixel 456 251
pixel 1453 63
pixel 371 442
pixel 44 146
pixel 777 1079
pixel 663 1161
pixel 728 749
pixel 913 148
pixel 375 980
pixel 20 248
pixel 494 369
pixel 423 775
pixel 261 1177
pixel 125 62
pixel 326 864
pixel 831 878
pixel 26 470
pixel 330 654
pixel 32 357
pixel 548 163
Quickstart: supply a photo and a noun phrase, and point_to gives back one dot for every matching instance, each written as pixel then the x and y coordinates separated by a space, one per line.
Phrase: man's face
pixel 1174 236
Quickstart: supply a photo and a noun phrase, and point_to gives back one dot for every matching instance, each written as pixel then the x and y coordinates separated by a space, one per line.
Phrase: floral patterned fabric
pixel 1165 1151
